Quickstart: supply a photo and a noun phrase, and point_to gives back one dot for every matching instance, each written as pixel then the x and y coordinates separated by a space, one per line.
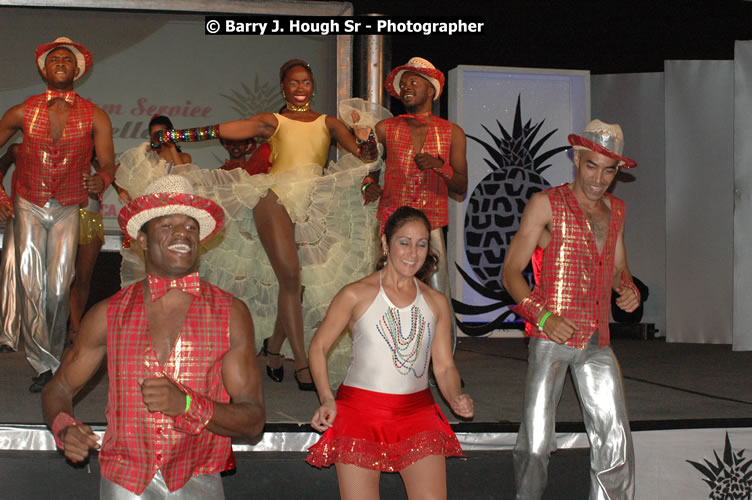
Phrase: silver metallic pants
pixel 10 321
pixel 597 378
pixel 206 487
pixel 46 241
pixel 440 279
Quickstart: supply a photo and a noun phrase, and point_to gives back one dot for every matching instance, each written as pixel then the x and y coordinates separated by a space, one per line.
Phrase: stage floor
pixel 666 385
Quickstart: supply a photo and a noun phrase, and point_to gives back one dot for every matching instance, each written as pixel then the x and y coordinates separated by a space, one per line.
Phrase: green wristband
pixel 364 187
pixel 188 401
pixel 543 321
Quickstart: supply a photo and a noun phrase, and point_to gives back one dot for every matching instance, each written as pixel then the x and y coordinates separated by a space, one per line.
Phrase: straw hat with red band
pixel 604 138
pixel 416 65
pixel 169 195
pixel 84 60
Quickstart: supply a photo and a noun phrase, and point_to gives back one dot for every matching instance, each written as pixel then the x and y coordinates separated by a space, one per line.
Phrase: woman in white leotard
pixel 384 417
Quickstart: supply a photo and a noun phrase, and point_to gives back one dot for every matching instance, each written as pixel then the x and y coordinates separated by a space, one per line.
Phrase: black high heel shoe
pixel 276 374
pixel 304 386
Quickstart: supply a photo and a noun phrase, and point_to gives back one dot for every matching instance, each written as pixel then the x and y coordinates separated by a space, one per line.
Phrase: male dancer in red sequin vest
pixel 181 359
pixel 59 130
pixel 425 159
pixel 575 236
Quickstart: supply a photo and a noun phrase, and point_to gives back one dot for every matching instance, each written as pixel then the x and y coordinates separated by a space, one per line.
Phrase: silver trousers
pixel 46 241
pixel 206 487
pixel 597 379
pixel 10 322
pixel 440 279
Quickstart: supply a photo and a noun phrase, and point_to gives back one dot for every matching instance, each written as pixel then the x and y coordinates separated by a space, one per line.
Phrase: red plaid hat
pixel 84 60
pixel 168 195
pixel 420 66
pixel 604 138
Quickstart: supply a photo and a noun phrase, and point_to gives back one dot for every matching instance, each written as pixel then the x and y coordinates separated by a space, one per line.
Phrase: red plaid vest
pixel 47 169
pixel 404 183
pixel 137 443
pixel 571 278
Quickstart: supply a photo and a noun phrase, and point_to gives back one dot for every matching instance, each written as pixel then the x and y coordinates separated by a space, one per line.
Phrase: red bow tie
pixel 422 118
pixel 159 286
pixel 68 96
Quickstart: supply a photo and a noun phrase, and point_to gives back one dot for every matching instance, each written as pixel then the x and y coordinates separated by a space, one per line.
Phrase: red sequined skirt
pixel 385 432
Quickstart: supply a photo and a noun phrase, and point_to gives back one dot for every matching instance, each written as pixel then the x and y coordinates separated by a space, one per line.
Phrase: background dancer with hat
pixel 60 128
pixel 305 221
pixel 575 235
pixel 181 359
pixel 425 159
pixel 384 417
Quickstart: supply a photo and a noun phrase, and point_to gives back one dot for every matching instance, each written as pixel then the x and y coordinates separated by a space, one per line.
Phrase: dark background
pixel 602 37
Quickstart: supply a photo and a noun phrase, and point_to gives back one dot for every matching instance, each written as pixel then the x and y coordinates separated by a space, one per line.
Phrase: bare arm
pixel 79 364
pixel 374 190
pixel 176 157
pixel 337 318
pixel 6 204
pixel 245 414
pixel 444 369
pixel 102 135
pixel 458 160
pixel 339 131
pixel 629 298
pixel 536 218
pixel 8 159
pixel 11 122
pixel 260 125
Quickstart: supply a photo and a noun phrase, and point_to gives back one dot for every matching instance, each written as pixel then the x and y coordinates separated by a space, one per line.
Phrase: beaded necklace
pixel 405 349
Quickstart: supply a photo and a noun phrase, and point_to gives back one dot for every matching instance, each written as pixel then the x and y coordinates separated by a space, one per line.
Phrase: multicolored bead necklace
pixel 405 349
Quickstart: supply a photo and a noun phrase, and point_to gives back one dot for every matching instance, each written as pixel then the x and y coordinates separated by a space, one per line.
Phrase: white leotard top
pixel 392 346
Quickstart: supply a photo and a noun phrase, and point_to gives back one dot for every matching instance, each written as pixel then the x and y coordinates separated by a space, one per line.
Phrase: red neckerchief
pixel 68 96
pixel 158 286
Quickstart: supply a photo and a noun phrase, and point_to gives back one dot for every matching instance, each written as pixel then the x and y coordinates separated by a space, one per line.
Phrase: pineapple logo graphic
pixel 730 478
pixel 248 102
pixel 494 211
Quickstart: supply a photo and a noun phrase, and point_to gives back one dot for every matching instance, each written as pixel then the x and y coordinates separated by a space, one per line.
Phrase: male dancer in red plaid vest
pixel 575 236
pixel 425 159
pixel 59 129
pixel 180 357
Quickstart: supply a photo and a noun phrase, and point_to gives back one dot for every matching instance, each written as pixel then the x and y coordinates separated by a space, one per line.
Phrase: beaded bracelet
pixel 367 150
pixel 185 135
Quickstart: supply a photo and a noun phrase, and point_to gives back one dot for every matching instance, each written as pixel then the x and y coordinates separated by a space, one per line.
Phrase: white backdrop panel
pixel 663 471
pixel 480 96
pixel 699 200
pixel 743 196
pixel 636 102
